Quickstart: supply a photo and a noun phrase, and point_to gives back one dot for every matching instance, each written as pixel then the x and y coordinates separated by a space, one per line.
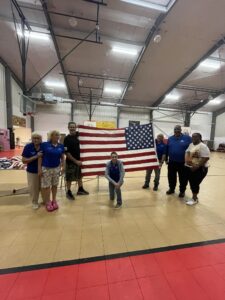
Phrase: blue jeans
pixel 112 191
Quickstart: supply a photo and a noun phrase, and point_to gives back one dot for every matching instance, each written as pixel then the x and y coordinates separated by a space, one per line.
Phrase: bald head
pixel 177 130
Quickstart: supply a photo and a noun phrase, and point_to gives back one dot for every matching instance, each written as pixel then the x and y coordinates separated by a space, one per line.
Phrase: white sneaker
pixel 191 202
pixel 35 206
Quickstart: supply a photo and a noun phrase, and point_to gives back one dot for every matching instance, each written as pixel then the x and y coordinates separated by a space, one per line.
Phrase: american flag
pixel 134 145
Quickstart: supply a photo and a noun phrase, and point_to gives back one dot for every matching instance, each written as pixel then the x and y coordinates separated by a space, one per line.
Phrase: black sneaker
pixel 81 191
pixel 155 188
pixel 69 195
pixel 169 192
pixel 181 195
pixel 145 186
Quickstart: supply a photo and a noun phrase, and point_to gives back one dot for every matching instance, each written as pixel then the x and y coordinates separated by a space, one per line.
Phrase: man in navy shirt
pixel 177 146
pixel 30 155
pixel 161 149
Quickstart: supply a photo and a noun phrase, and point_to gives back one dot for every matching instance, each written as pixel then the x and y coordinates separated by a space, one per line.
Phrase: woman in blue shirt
pixel 30 155
pixel 49 167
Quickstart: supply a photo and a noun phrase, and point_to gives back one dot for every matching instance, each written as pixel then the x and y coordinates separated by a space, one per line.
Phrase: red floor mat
pixel 196 273
pixel 11 153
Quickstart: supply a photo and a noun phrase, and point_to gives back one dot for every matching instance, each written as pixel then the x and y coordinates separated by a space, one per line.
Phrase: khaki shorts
pixel 50 177
pixel 73 172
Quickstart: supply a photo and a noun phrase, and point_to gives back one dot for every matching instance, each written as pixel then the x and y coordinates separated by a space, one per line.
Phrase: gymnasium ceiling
pixel 184 70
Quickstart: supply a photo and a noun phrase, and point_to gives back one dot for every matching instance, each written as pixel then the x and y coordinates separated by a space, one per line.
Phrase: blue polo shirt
pixel 51 154
pixel 161 149
pixel 29 151
pixel 177 147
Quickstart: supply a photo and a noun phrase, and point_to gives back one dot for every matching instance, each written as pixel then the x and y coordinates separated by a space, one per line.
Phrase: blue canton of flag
pixel 139 137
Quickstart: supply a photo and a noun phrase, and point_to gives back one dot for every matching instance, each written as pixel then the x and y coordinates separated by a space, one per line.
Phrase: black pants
pixel 196 177
pixel 173 169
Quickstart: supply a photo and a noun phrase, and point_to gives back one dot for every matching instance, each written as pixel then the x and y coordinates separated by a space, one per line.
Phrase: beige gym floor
pixel 89 226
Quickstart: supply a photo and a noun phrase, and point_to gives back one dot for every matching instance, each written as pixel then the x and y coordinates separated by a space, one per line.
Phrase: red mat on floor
pixel 11 153
pixel 196 273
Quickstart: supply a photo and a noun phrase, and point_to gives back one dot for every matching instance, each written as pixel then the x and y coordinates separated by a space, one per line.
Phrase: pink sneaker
pixel 55 205
pixel 49 206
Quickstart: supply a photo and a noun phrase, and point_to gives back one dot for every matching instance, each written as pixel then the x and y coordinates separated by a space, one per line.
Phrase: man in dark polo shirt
pixel 177 146
pixel 161 150
pixel 73 163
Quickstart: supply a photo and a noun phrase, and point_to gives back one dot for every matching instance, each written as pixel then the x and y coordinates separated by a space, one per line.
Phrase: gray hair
pixel 36 134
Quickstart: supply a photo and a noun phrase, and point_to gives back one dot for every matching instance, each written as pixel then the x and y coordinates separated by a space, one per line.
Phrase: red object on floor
pixel 11 153
pixel 196 273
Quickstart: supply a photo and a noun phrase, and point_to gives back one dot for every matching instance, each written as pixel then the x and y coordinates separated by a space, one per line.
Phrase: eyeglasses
pixel 114 156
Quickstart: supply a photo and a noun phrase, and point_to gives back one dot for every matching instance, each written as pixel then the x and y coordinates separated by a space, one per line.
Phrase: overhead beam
pixel 99 2
pixel 58 13
pixel 220 111
pixel 77 39
pixel 199 105
pixel 197 88
pixel 48 19
pixel 190 70
pixel 79 33
pixel 20 13
pixel 95 76
pixel 151 34
pixel 58 62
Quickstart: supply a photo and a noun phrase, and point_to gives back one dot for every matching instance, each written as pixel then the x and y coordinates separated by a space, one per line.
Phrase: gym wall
pixel 3 120
pixel 220 131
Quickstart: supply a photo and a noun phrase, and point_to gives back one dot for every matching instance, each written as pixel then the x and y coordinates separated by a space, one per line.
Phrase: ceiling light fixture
pixel 172 97
pixel 34 35
pixel 157 38
pixel 73 21
pixel 147 4
pixel 54 84
pixel 215 102
pixel 112 90
pixel 210 64
pixel 127 51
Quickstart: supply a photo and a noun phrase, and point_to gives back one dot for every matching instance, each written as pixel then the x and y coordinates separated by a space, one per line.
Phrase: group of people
pixel 188 157
pixel 45 163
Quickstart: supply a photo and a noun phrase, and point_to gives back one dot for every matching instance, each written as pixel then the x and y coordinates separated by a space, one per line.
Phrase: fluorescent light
pixel 112 90
pixel 215 101
pixel 34 35
pixel 147 4
pixel 209 63
pixel 125 51
pixel 55 84
pixel 172 97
